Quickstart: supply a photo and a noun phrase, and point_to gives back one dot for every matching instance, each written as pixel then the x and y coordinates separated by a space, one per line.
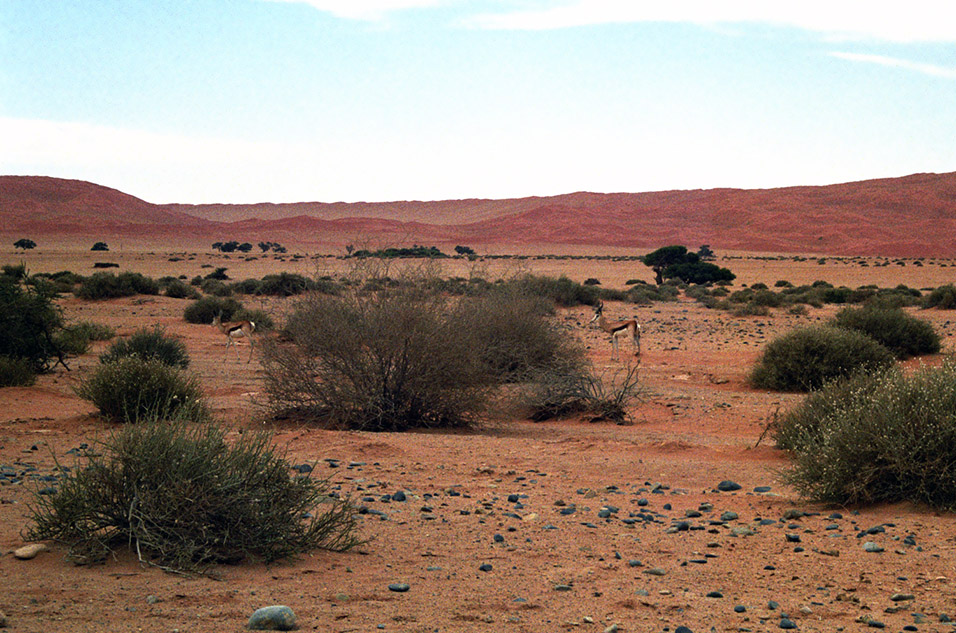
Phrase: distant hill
pixel 908 216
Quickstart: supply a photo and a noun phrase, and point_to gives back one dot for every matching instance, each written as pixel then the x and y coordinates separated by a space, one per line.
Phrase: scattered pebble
pixel 274 618
pixel 399 587
pixel 30 551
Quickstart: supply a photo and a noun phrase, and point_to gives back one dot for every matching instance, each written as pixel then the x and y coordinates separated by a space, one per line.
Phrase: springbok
pixel 618 329
pixel 235 330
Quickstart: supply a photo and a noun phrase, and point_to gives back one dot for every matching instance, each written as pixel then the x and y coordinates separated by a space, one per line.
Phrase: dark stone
pixel 728 486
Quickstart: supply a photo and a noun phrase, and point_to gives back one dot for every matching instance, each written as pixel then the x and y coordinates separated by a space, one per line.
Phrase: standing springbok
pixel 618 329
pixel 235 330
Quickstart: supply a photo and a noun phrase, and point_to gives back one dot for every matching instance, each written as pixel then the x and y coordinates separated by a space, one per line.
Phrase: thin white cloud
pixel 947 72
pixel 370 10
pixel 916 20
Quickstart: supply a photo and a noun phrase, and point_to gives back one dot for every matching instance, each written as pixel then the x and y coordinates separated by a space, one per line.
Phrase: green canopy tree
pixel 675 262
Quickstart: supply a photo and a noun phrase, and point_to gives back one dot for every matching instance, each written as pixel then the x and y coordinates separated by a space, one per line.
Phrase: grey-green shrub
pixel 132 389
pixel 943 298
pixel 901 333
pixel 149 343
pixel 16 372
pixel 882 437
pixel 100 286
pixel 184 499
pixel 807 358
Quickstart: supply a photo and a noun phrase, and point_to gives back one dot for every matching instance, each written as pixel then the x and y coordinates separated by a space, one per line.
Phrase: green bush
pixel 646 294
pixel 29 323
pixel 216 288
pixel 943 298
pixel 208 308
pixel 246 287
pixel 133 389
pixel 149 344
pixel 109 286
pixel 16 372
pixel 178 289
pixel 901 333
pixel 878 438
pixel 805 359
pixel 562 291
pixel 184 499
pixel 285 285
pixel 75 340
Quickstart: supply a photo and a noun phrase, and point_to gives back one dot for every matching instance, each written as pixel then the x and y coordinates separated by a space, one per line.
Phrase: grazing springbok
pixel 235 330
pixel 618 329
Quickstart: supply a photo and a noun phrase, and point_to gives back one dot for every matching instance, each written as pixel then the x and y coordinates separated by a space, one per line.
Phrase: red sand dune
pixel 910 216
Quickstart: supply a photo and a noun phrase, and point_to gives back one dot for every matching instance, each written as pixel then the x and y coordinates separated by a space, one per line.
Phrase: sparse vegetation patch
pixel 183 498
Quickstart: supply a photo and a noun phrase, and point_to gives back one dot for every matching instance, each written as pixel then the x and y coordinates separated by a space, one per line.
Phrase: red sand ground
pixel 698 424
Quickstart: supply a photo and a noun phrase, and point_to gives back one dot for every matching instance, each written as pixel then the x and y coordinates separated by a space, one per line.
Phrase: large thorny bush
pixel 404 357
pixel 883 437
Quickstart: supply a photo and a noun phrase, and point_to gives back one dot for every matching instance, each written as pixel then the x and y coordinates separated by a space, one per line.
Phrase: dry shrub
pixel 184 499
pixel 602 397
pixel 406 357
pixel 515 338
pixel 382 362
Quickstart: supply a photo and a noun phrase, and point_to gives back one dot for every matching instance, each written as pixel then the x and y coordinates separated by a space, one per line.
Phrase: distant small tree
pixel 245 247
pixel 25 244
pixel 100 246
pixel 265 246
pixel 464 250
pixel 217 246
pixel 229 247
pixel 704 252
pixel 349 248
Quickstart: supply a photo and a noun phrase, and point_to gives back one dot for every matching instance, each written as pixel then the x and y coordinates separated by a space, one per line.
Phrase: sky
pixel 247 101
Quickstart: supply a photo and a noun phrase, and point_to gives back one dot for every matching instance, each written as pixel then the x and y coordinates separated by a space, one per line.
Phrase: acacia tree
pixel 660 259
pixel 25 244
pixel 674 262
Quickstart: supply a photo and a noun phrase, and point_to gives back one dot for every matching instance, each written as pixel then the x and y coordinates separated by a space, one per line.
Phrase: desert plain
pixel 563 525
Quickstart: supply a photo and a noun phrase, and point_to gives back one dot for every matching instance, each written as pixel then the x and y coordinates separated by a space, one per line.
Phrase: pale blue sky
pixel 328 100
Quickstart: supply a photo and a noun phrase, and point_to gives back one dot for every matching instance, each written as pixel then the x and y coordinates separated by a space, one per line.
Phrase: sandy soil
pixel 698 424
